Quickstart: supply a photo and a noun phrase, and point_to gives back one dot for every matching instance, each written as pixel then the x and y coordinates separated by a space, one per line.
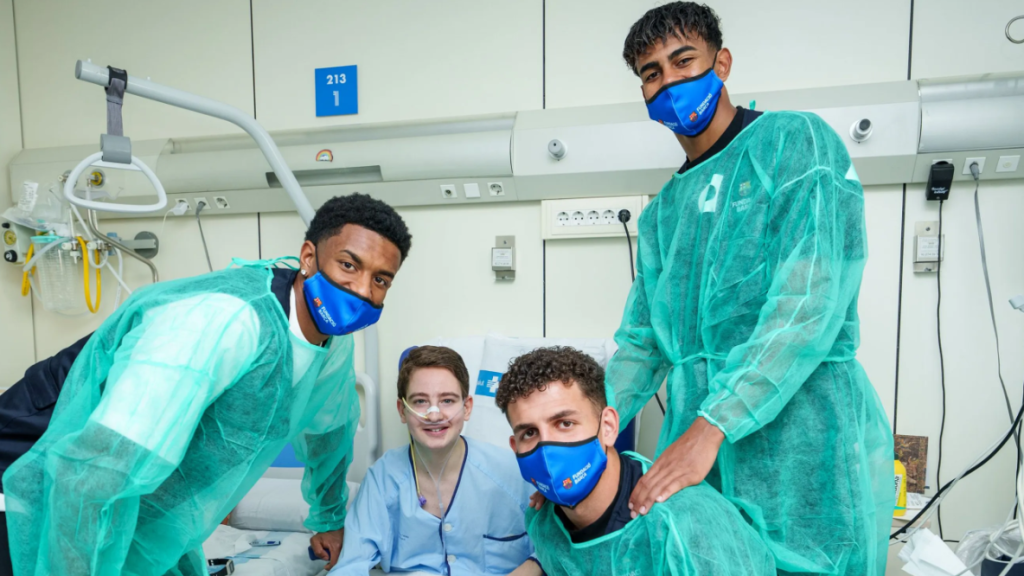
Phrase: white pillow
pixel 488 423
pixel 276 504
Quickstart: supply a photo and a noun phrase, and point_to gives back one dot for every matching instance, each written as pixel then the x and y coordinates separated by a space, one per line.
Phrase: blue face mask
pixel 564 472
pixel 336 310
pixel 686 107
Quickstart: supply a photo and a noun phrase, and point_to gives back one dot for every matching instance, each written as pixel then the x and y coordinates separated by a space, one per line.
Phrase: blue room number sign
pixel 337 91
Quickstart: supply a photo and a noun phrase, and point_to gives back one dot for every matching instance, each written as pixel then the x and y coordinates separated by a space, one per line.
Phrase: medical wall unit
pixel 893 131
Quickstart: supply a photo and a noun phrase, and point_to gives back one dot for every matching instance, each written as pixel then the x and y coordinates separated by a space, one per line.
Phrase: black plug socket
pixel 940 180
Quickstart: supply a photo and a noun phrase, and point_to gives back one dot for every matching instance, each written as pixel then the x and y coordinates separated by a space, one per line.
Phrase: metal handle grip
pixel 69 188
pixel 1010 23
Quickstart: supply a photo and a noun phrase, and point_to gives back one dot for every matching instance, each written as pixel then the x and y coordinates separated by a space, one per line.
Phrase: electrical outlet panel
pixel 589 217
pixel 981 165
pixel 1008 163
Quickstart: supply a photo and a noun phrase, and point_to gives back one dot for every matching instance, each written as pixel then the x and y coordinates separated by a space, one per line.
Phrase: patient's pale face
pixel 558 414
pixel 435 387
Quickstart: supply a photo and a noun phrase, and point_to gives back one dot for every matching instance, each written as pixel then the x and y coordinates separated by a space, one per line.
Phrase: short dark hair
pixel 433 357
pixel 533 371
pixel 673 19
pixel 361 210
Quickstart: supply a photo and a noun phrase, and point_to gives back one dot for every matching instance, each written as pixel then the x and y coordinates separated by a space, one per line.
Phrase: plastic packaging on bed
pixel 289 558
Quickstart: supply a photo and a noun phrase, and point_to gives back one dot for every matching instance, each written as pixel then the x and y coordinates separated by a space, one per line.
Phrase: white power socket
pixel 589 217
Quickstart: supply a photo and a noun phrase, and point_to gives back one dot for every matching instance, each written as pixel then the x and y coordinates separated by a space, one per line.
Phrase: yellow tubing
pixel 25 286
pixel 85 278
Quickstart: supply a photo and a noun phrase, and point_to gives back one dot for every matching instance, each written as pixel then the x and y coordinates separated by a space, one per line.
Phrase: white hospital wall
pixel 16 352
pixel 878 306
pixel 953 38
pixel 416 59
pixel 195 45
pixel 792 44
pixel 976 412
pixel 975 407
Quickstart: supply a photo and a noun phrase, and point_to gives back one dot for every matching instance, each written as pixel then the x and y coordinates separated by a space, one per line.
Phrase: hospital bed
pixel 274 508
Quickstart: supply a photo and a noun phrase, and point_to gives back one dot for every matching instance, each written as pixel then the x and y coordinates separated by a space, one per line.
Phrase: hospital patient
pixel 443 504
pixel 564 435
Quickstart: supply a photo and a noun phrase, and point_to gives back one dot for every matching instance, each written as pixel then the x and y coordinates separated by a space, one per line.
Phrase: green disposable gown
pixel 749 266
pixel 695 532
pixel 175 407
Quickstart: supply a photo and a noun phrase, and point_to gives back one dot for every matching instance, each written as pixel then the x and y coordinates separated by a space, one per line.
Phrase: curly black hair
pixel 673 19
pixel 361 210
pixel 534 371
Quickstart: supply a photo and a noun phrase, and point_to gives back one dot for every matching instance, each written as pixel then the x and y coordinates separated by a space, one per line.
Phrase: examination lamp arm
pixel 100 75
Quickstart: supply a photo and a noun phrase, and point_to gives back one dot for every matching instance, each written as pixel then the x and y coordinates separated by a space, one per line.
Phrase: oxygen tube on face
pixel 425 418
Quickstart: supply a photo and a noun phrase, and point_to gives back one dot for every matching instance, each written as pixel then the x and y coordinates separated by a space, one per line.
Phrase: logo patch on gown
pixel 742 205
pixel 708 200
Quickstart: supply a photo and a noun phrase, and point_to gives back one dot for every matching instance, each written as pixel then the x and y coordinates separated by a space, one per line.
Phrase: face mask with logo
pixel 336 310
pixel 686 107
pixel 564 472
